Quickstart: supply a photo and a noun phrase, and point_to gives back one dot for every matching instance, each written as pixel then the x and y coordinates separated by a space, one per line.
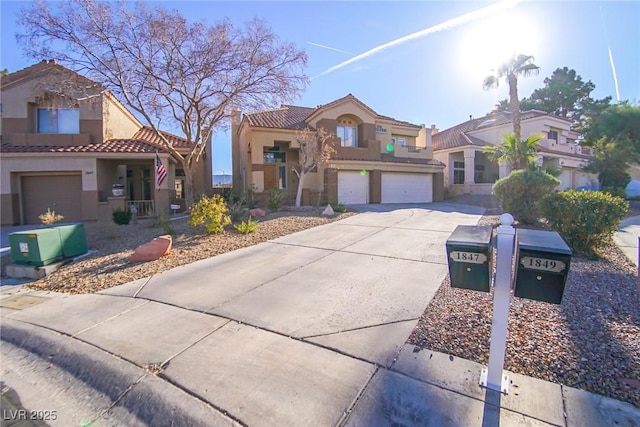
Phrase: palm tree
pixel 514 151
pixel 518 65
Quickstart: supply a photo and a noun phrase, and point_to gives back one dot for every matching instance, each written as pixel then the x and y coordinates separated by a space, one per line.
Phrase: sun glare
pixel 494 40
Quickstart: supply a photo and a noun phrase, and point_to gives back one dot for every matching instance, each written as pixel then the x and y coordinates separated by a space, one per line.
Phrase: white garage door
pixel 353 188
pixel 407 188
pixel 565 180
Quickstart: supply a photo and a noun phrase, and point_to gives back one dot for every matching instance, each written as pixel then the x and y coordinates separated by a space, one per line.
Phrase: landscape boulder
pixel 328 211
pixel 158 247
pixel 257 213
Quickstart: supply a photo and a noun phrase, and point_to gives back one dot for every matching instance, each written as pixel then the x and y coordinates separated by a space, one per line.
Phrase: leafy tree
pixel 315 150
pixel 518 65
pixel 519 154
pixel 566 95
pixel 615 137
pixel 169 71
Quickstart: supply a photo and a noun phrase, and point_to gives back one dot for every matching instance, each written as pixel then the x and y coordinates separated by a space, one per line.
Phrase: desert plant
pixel 210 212
pixel 246 227
pixel 121 216
pixel 338 207
pixel 520 192
pixel 236 210
pixel 165 224
pixel 50 217
pixel 276 196
pixel 586 219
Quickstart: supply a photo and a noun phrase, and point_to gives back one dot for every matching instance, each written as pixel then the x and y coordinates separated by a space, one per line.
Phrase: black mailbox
pixel 542 267
pixel 469 257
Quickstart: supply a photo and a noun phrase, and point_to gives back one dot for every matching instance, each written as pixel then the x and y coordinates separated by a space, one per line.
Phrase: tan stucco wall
pixel 118 122
pixel 345 108
pixel 18 162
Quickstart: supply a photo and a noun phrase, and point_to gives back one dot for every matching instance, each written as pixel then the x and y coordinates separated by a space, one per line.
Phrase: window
pixel 282 177
pixel 59 120
pixel 553 134
pixel 401 141
pixel 348 136
pixel 273 155
pixel 458 172
pixel 479 173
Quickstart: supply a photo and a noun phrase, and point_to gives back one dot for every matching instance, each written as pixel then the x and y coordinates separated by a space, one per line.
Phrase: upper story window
pixel 348 135
pixel 59 120
pixel 400 140
pixel 553 134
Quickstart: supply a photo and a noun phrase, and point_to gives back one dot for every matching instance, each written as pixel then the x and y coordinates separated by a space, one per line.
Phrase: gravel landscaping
pixel 591 341
pixel 110 246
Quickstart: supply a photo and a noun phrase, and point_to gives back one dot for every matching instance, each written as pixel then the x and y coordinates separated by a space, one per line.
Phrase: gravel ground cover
pixel 110 246
pixel 591 341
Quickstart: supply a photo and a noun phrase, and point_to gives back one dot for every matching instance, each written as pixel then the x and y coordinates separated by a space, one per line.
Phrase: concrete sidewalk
pixel 627 237
pixel 308 329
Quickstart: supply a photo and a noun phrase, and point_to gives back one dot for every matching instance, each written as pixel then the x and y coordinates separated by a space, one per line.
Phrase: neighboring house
pixel 377 159
pixel 469 171
pixel 66 141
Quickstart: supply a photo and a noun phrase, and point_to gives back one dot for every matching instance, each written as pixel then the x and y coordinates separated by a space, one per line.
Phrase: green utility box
pixel 542 265
pixel 36 247
pixel 469 257
pixel 73 238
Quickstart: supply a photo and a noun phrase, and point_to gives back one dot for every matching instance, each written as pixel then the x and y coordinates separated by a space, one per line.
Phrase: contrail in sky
pixel 446 25
pixel 328 47
pixel 613 67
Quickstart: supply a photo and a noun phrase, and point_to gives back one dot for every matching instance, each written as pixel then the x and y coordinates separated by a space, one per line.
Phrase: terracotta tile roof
pixel 389 158
pixel 542 149
pixel 286 117
pixel 386 157
pixel 458 136
pixel 131 146
pixel 89 87
pixel 294 117
pixel 148 134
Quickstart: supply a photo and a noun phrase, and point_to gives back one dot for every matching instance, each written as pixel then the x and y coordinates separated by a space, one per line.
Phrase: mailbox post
pixel 493 377
pixel 542 266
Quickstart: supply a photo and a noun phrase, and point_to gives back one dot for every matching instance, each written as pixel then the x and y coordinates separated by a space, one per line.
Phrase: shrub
pixel 338 207
pixel 165 224
pixel 246 227
pixel 276 196
pixel 121 216
pixel 50 217
pixel 520 192
pixel 586 219
pixel 210 212
pixel 236 211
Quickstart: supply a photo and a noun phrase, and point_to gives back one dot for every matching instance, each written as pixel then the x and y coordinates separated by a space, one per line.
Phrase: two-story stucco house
pixel 66 141
pixel 469 171
pixel 377 159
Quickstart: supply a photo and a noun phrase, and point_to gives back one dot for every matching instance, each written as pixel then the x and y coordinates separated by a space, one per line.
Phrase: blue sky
pixel 436 78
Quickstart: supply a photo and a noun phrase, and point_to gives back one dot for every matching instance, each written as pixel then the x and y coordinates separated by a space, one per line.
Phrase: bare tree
pixel 315 150
pixel 169 71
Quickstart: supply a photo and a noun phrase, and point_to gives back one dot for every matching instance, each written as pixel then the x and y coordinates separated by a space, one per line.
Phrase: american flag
pixel 161 172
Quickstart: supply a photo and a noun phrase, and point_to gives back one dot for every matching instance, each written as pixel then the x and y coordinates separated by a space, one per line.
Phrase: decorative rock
pixel 257 213
pixel 158 247
pixel 328 211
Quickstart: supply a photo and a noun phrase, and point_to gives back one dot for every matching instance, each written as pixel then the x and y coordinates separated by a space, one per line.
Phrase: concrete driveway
pixel 288 332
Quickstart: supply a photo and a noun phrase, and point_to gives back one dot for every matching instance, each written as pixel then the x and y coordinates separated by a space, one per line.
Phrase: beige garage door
pixel 61 193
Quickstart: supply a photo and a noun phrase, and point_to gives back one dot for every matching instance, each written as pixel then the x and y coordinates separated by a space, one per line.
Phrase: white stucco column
pixel 469 169
pixel 504 170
